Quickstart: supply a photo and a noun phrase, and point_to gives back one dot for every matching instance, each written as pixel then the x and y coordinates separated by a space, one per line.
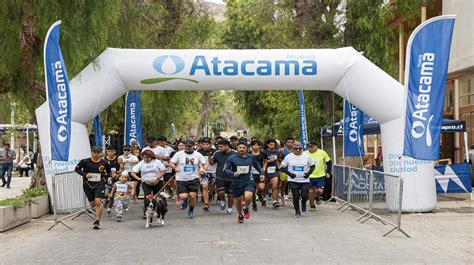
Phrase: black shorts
pixel 239 187
pixel 256 179
pixel 167 176
pixel 94 192
pixel 301 186
pixel 223 185
pixel 188 186
pixel 268 178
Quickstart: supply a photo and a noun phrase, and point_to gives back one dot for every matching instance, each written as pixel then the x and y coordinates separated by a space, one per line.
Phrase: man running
pixel 234 141
pixel 271 168
pixel 319 175
pixel 298 166
pixel 283 177
pixel 165 155
pixel 209 179
pixel 95 172
pixel 239 167
pixel 112 160
pixel 189 165
pixel 222 180
pixel 260 156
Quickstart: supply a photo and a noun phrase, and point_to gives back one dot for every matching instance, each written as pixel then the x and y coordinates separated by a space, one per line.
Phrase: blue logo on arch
pixel 177 61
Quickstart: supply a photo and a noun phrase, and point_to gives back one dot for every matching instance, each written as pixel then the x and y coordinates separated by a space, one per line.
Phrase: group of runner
pixel 241 171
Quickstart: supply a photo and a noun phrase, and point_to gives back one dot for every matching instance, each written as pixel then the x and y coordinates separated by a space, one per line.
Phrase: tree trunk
pixel 38 180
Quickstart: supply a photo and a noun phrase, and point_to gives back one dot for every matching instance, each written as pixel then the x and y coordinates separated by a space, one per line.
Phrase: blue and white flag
pixel 455 178
pixel 97 132
pixel 425 80
pixel 303 129
pixel 353 130
pixel 133 119
pixel 58 95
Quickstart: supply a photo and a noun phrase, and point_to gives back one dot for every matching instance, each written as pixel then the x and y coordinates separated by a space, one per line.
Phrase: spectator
pixel 7 156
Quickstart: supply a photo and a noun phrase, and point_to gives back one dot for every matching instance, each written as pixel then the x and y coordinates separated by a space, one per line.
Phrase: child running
pixel 121 194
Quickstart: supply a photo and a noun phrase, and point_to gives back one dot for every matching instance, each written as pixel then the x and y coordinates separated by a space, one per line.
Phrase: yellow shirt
pixel 320 157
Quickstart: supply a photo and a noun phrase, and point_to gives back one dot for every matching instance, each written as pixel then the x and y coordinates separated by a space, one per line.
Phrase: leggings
pixel 299 189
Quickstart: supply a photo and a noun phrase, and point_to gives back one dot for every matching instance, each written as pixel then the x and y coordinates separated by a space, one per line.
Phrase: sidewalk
pixel 17 185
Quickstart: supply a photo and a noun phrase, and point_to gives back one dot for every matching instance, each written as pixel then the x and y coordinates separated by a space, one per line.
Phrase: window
pixel 466 91
pixel 448 99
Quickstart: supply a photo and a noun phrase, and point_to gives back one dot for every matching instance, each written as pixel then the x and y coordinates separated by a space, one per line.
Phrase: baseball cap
pixel 150 139
pixel 224 142
pixel 189 142
pixel 234 138
pixel 96 148
pixel 312 143
pixel 206 140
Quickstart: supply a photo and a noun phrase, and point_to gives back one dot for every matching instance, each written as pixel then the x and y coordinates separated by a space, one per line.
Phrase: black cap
pixel 234 138
pixel 312 143
pixel 96 148
pixel 206 140
pixel 127 147
pixel 189 142
pixel 224 142
pixel 150 139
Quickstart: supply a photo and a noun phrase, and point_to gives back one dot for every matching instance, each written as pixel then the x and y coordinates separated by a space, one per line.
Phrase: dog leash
pixel 164 186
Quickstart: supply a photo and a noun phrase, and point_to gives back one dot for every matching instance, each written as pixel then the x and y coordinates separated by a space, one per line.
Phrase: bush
pixel 27 197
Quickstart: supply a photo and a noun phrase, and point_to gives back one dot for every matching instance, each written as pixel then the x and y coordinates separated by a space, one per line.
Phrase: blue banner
pixel 303 129
pixel 455 178
pixel 425 80
pixel 353 130
pixel 97 132
pixel 58 95
pixel 133 119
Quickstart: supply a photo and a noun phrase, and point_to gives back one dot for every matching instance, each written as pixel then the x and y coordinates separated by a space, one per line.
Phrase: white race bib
pixel 95 177
pixel 271 170
pixel 243 169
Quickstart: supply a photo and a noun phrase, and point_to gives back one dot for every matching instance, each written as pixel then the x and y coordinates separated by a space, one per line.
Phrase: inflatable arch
pixel 344 71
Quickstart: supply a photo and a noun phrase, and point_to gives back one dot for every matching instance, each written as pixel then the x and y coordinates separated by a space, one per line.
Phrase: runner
pixel 256 151
pixel 208 180
pixel 153 146
pixel 165 155
pixel 319 175
pixel 243 186
pixel 152 171
pixel 283 177
pixel 271 168
pixel 298 166
pixel 127 161
pixel 112 160
pixel 189 165
pixel 234 141
pixel 222 180
pixel 120 194
pixel 95 172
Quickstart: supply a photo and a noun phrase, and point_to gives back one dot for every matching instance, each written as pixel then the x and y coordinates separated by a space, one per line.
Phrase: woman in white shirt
pixel 152 171
pixel 126 162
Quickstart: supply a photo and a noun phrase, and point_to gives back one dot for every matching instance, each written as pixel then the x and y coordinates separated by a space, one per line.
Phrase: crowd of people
pixel 241 172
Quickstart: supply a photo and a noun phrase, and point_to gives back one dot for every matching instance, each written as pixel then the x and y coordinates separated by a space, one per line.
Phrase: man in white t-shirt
pixel 165 156
pixel 298 166
pixel 126 162
pixel 189 165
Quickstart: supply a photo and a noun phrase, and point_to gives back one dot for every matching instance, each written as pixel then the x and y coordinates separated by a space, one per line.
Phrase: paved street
pixel 269 237
pixel 16 187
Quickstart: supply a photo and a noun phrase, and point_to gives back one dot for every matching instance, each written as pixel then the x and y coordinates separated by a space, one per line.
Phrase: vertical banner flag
pixel 133 118
pixel 353 130
pixel 303 130
pixel 425 80
pixel 97 131
pixel 58 95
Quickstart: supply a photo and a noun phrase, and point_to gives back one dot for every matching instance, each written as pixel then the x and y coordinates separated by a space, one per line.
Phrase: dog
pixel 156 207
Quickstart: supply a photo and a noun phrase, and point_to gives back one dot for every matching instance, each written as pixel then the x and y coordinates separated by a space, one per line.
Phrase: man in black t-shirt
pixel 223 181
pixel 95 172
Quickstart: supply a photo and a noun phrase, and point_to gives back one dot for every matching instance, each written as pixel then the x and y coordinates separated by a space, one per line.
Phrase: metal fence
pixel 68 197
pixel 365 192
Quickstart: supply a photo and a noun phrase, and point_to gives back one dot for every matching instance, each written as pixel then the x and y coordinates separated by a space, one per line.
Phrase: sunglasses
pixel 298 148
pixel 126 150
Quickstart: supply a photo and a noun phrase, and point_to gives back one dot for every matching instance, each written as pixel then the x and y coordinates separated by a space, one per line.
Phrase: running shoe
pixel 184 204
pixel 108 213
pixel 190 214
pixel 119 218
pixel 254 207
pixel 222 205
pixel 303 207
pixel 276 205
pixel 96 225
pixel 165 194
pixel 297 214
pixel 246 213
pixel 229 211
pixel 206 208
pixel 312 208
pixel 240 219
pixel 318 200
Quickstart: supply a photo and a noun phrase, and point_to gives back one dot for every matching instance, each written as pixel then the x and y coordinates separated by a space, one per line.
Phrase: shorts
pixel 239 187
pixel 269 178
pixel 283 176
pixel 317 183
pixel 188 186
pixel 167 176
pixel 256 179
pixel 223 185
pixel 208 179
pixel 96 192
pixel 296 185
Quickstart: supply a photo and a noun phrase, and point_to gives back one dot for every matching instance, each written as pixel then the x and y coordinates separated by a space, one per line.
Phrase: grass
pixel 25 198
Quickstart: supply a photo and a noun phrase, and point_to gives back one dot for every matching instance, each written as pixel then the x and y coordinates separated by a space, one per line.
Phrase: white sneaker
pixel 165 194
pixel 229 211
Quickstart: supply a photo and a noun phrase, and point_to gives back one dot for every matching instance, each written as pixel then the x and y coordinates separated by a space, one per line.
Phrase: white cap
pixel 125 173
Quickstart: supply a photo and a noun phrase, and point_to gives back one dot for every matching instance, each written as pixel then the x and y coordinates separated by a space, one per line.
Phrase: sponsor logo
pixel 420 118
pixel 62 115
pixel 353 125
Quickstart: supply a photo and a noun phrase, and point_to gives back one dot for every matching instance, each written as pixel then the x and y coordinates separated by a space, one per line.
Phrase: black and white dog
pixel 156 207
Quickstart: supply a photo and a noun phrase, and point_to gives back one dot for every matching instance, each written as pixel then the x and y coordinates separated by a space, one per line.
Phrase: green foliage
pixel 28 196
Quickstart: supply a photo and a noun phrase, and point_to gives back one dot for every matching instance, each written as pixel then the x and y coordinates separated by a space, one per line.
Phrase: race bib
pixel 243 169
pixel 271 170
pixel 121 188
pixel 298 168
pixel 189 169
pixel 96 177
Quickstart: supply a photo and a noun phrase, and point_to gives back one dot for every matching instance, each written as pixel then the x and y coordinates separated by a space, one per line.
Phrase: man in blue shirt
pixel 239 167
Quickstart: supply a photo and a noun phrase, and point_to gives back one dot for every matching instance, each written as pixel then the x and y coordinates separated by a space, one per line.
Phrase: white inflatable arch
pixel 344 71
